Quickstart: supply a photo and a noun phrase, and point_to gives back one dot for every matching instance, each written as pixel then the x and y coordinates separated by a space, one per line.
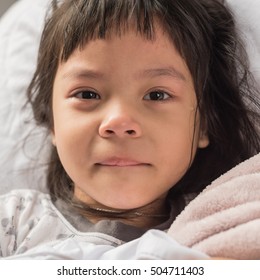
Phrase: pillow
pixel 247 16
pixel 24 165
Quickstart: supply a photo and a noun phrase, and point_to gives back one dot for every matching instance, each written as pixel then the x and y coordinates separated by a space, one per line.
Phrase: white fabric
pixel 20 30
pixel 247 17
pixel 26 217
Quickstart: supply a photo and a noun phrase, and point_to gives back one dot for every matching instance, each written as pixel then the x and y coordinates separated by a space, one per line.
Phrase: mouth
pixel 121 162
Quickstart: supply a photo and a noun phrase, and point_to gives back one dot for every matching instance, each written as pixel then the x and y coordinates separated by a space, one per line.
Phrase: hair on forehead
pixel 82 21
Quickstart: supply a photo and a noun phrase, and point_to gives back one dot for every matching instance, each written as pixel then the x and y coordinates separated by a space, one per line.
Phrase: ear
pixel 53 138
pixel 203 140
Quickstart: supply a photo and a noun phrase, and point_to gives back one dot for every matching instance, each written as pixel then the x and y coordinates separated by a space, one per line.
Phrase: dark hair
pixel 204 33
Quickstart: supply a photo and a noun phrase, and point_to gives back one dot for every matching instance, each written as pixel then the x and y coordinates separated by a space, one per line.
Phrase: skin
pixel 124 121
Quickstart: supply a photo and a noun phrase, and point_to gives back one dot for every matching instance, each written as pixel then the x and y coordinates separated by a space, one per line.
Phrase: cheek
pixel 73 140
pixel 178 143
pixel 175 161
pixel 175 151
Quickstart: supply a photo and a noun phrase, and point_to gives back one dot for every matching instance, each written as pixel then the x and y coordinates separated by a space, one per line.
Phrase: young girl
pixel 146 103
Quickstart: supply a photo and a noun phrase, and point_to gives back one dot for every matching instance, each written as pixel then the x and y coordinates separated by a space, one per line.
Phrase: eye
pixel 87 94
pixel 157 95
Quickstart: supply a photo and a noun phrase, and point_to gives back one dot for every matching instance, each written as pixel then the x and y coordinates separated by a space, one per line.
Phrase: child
pixel 146 102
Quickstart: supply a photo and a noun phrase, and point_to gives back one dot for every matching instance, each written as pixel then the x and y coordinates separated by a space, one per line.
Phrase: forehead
pixel 152 57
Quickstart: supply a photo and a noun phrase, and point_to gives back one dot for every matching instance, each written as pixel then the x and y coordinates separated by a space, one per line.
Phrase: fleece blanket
pixel 224 220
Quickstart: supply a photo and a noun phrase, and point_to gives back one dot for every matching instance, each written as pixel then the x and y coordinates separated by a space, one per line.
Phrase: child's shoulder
pixel 18 194
pixel 20 199
pixel 26 216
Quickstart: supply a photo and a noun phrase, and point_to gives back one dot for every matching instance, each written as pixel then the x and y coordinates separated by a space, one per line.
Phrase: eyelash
pixel 155 95
pixel 159 95
pixel 91 94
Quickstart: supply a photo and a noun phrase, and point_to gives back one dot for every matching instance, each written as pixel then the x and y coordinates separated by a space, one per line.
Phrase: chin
pixel 127 204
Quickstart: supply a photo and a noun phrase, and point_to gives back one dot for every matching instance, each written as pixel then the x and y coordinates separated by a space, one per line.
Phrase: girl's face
pixel 124 120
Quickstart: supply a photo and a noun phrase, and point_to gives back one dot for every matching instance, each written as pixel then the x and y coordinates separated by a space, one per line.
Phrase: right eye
pixel 87 94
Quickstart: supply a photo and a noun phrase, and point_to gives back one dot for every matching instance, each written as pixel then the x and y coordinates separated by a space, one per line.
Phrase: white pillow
pixel 247 16
pixel 20 30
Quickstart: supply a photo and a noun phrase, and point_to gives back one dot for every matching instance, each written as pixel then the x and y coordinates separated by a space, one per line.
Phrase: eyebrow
pixel 147 73
pixel 82 74
pixel 156 72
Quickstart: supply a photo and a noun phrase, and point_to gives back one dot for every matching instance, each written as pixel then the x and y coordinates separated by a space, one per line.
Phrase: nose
pixel 119 124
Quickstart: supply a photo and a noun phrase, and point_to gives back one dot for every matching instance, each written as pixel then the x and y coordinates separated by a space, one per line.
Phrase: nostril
pixel 119 131
pixel 130 132
pixel 109 131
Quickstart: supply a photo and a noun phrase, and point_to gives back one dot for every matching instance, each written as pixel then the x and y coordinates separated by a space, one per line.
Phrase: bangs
pixel 90 20
pixel 187 24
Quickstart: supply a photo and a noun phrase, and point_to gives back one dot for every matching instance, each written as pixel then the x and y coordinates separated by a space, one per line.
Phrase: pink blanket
pixel 224 220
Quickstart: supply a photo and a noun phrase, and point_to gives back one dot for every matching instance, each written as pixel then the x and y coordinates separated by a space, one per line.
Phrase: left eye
pixel 157 96
pixel 87 94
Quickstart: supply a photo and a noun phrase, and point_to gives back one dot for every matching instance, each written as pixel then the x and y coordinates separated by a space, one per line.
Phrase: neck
pixel 146 217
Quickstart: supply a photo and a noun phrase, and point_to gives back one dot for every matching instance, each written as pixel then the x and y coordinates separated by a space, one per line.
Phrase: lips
pixel 121 162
